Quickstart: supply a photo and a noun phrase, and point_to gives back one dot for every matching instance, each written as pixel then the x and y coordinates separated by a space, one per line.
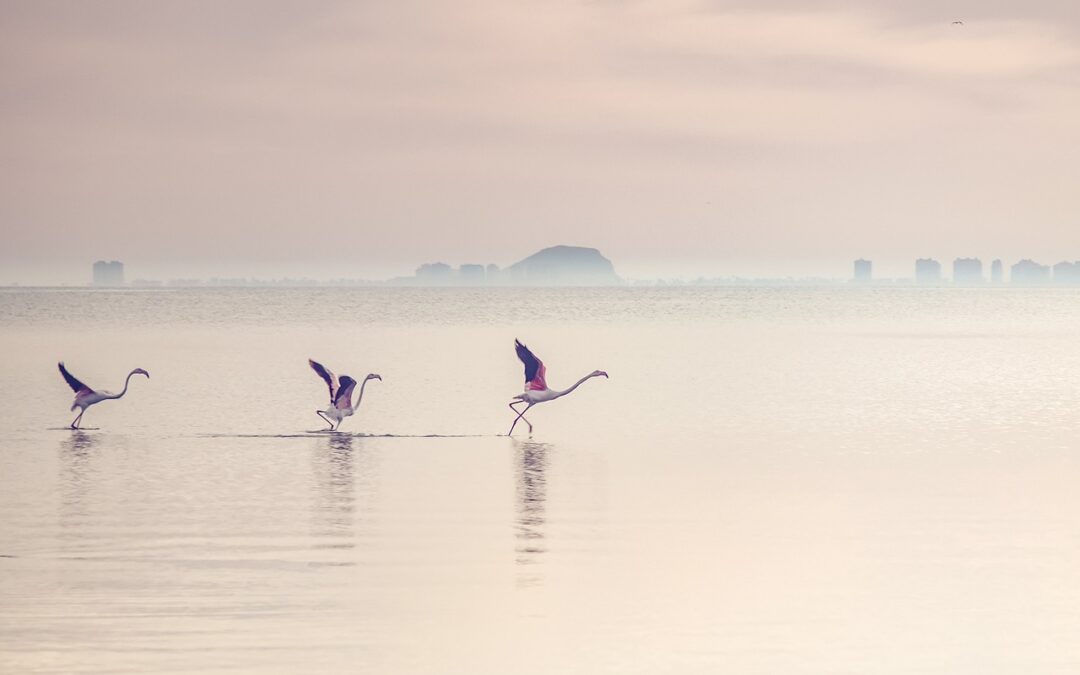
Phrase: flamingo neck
pixel 572 387
pixel 360 396
pixel 124 390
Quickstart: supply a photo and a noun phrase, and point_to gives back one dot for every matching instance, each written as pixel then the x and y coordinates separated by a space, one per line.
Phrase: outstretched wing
pixel 343 400
pixel 73 382
pixel 535 371
pixel 330 378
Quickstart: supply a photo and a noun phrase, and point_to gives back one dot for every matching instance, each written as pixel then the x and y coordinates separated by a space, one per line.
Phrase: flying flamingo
pixel 536 389
pixel 340 394
pixel 86 397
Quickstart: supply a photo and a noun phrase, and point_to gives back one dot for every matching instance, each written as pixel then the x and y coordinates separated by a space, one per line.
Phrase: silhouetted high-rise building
pixel 997 272
pixel 1029 273
pixel 1067 273
pixel 471 275
pixel 927 271
pixel 434 273
pixel 108 273
pixel 864 271
pixel 967 272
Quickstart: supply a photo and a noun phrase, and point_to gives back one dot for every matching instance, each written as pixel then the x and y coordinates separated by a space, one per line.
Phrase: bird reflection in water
pixel 334 487
pixel 532 463
pixel 76 468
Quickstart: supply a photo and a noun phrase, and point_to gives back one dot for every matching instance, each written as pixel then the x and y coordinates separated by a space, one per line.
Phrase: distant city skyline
pixel 970 272
pixel 966 271
pixel 884 267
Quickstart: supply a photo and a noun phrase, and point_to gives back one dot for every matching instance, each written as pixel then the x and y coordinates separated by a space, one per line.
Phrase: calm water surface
pixel 772 481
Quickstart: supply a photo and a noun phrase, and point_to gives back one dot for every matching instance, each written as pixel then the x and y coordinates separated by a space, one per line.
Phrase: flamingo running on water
pixel 86 397
pixel 341 390
pixel 536 389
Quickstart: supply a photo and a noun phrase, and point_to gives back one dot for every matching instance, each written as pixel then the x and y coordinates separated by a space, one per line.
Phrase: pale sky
pixel 688 137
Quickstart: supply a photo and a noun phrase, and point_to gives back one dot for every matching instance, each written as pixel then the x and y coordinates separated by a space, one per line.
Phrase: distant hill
pixel 564 266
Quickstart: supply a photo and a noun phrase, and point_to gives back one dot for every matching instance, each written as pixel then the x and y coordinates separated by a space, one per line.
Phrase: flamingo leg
pixel 516 412
pixel 521 416
pixel 75 422
pixel 325 419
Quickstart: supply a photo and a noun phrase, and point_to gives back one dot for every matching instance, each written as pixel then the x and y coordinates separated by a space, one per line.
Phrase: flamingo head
pixel 599 373
pixel 374 376
pixel 140 371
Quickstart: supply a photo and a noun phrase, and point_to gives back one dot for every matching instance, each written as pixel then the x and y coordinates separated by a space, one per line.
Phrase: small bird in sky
pixel 958 23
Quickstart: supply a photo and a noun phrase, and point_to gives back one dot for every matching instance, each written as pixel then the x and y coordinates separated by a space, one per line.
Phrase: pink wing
pixel 343 401
pixel 535 371
pixel 328 377
pixel 78 387
pixel 539 383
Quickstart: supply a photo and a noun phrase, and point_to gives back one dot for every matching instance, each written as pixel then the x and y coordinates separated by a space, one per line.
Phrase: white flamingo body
pixel 538 396
pixel 86 397
pixel 536 388
pixel 341 390
pixel 338 414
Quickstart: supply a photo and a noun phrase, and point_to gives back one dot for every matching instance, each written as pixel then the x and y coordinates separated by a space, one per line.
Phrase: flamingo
pixel 341 390
pixel 536 389
pixel 86 397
